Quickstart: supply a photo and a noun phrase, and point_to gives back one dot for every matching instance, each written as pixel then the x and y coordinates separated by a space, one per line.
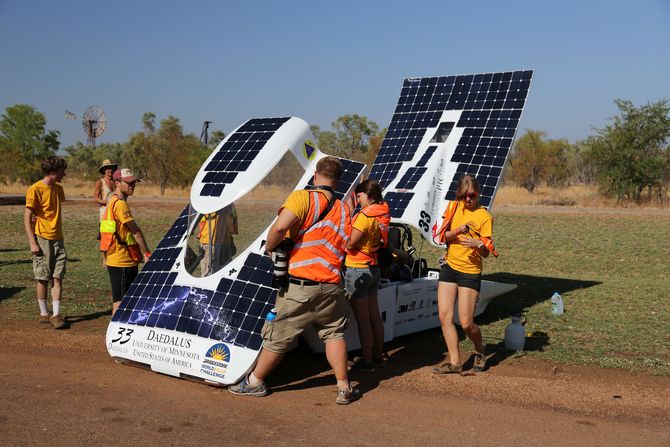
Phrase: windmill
pixel 204 137
pixel 94 122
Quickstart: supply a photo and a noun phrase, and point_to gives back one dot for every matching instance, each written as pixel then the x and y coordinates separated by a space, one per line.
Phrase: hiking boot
pixel 345 397
pixel 57 321
pixel 242 388
pixel 360 365
pixel 480 362
pixel 447 368
pixel 44 319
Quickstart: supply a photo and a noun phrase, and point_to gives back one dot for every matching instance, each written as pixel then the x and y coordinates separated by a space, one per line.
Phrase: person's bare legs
pixel 467 300
pixel 267 361
pixel 446 298
pixel 336 354
pixel 57 289
pixel 41 289
pixel 377 327
pixel 360 307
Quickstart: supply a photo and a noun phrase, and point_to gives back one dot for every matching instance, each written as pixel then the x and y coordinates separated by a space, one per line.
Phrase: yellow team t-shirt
pixel 371 240
pixel 45 201
pixel 298 203
pixel 459 257
pixel 223 224
pixel 117 255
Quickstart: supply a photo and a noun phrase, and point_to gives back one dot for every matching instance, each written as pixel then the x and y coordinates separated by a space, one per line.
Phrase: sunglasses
pixel 471 195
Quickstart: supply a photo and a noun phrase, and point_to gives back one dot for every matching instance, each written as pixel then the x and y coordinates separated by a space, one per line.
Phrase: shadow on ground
pixel 74 319
pixel 427 348
pixel 530 291
pixel 8 292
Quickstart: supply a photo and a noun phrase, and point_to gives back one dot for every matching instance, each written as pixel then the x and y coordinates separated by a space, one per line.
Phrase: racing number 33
pixel 424 221
pixel 124 333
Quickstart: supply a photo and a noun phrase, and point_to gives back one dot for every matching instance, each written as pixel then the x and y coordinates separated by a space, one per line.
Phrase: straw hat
pixel 107 164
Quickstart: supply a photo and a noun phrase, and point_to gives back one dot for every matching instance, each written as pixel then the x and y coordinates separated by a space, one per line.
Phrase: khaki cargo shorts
pixel 51 262
pixel 322 306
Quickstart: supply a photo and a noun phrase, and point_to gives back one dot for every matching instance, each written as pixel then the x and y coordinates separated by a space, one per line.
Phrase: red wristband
pixel 147 254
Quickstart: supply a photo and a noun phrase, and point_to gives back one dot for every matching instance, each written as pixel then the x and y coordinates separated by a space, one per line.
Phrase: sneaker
pixel 360 365
pixel 57 321
pixel 480 362
pixel 45 319
pixel 242 388
pixel 380 361
pixel 447 368
pixel 345 397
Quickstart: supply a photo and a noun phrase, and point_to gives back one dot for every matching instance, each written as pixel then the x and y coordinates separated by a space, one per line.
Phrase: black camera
pixel 280 261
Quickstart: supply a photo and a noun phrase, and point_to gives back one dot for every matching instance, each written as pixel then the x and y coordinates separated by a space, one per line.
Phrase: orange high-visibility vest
pixel 382 213
pixel 446 222
pixel 318 251
pixel 108 231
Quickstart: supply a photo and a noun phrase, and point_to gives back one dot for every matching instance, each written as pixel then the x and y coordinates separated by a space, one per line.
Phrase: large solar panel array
pixel 233 313
pixel 491 105
pixel 237 153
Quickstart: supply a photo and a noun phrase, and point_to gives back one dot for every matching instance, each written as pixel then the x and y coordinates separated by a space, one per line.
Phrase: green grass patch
pixel 612 271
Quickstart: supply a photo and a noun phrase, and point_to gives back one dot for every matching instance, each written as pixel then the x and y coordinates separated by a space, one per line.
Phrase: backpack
pixel 384 257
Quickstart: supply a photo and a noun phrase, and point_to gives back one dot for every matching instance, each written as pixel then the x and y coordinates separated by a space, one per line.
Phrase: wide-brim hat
pixel 125 175
pixel 107 164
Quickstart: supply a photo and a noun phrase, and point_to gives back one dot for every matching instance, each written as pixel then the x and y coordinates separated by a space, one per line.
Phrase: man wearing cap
pixel 121 239
pixel 104 188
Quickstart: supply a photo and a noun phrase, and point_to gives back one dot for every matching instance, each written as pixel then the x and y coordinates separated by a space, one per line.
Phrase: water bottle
pixel 272 314
pixel 557 304
pixel 515 334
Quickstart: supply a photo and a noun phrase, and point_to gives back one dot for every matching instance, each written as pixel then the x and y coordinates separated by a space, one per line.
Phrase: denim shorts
pixel 361 282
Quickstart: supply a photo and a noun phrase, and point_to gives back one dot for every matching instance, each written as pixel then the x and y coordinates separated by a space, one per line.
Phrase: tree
pixel 24 143
pixel 630 155
pixel 352 135
pixel 164 154
pixel 327 142
pixel 528 161
pixel 215 138
pixel 583 170
pixel 374 144
pixel 558 163
pixel 83 161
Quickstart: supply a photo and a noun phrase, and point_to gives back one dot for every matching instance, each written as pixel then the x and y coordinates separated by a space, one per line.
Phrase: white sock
pixel 44 310
pixel 344 385
pixel 253 380
pixel 56 307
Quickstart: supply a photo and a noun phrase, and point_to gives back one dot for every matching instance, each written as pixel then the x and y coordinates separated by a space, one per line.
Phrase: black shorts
pixel 121 279
pixel 469 280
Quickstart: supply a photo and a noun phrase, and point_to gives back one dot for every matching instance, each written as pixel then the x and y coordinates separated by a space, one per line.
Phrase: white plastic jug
pixel 515 334
pixel 557 304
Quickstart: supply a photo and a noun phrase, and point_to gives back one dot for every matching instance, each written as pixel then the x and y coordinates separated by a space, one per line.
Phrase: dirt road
pixel 61 388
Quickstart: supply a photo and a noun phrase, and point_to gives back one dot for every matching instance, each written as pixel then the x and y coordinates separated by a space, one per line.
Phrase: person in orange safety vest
pixel 319 225
pixel 121 239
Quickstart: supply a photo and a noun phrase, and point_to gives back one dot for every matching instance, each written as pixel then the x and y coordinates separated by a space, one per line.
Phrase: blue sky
pixel 230 61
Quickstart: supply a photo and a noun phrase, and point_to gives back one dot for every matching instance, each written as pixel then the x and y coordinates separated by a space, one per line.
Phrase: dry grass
pixel 583 196
pixel 80 188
